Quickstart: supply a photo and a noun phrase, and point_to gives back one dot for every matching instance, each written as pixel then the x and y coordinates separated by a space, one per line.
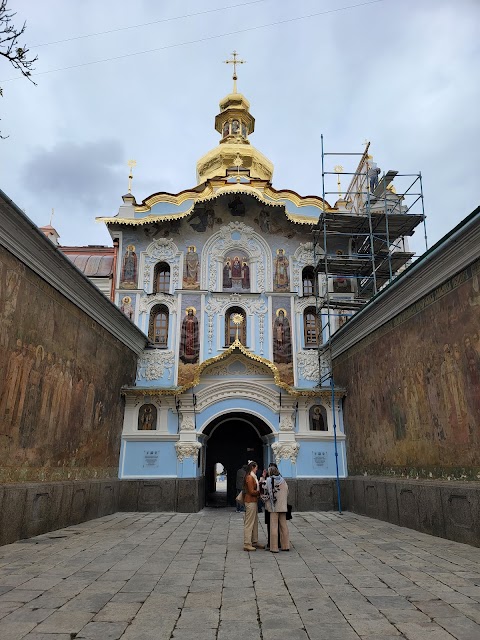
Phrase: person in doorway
pixel 239 485
pixel 276 490
pixel 252 493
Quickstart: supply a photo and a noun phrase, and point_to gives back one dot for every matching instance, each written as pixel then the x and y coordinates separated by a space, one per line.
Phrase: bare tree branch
pixel 10 47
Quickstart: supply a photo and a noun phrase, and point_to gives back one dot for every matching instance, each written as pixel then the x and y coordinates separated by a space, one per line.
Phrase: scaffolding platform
pixel 354 224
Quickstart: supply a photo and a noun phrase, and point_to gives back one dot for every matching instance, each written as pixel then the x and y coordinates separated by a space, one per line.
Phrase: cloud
pixel 79 173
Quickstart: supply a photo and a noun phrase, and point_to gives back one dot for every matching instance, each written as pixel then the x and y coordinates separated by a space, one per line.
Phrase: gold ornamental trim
pixel 210 192
pixel 312 393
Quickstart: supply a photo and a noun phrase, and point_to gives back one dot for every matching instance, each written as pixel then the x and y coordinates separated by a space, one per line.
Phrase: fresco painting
pixel 413 387
pixel 60 415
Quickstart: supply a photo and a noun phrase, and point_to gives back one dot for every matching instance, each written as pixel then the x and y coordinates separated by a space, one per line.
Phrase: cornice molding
pixel 453 253
pixel 22 238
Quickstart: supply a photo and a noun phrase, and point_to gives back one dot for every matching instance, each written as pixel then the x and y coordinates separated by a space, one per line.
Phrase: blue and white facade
pixel 231 246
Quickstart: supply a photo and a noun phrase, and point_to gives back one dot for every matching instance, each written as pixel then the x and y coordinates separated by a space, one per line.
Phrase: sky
pixel 403 74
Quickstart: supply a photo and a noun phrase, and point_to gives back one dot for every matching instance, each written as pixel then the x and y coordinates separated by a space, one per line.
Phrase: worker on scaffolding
pixel 372 174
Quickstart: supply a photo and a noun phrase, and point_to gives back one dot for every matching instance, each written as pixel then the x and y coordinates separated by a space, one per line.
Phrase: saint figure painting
pixel 192 269
pixel 281 281
pixel 128 278
pixel 189 339
pixel 282 340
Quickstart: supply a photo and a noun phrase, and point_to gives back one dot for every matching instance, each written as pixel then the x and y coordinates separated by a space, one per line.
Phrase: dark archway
pixel 234 439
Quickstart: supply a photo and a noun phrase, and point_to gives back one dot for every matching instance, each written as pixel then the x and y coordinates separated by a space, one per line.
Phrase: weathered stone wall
pixel 413 388
pixel 437 507
pixel 60 379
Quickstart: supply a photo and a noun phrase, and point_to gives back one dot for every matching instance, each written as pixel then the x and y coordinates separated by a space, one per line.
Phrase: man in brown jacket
pixel 252 493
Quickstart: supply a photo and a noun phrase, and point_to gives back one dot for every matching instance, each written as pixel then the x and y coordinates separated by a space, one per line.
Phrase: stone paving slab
pixel 171 576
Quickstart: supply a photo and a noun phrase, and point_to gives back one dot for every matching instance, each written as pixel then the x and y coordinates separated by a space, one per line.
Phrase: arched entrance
pixel 232 439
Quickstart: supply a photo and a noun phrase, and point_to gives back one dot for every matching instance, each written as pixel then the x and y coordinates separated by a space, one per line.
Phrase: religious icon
pixel 244 130
pixel 237 207
pixel 189 338
pixel 227 274
pixel 264 221
pixel 128 279
pixel 281 281
pixel 192 269
pixel 226 129
pixel 236 268
pixel 127 307
pixel 147 417
pixel 282 340
pixel 245 274
pixel 318 418
pixel 235 126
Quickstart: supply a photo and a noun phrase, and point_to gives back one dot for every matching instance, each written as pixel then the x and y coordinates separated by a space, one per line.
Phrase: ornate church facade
pixel 221 277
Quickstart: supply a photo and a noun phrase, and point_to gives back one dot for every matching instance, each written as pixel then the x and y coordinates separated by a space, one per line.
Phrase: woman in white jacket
pixel 276 494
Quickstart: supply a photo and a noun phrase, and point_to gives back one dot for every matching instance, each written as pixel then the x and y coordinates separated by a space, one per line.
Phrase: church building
pixel 223 279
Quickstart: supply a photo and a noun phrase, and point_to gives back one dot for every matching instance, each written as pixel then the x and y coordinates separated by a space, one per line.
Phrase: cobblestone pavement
pixel 155 576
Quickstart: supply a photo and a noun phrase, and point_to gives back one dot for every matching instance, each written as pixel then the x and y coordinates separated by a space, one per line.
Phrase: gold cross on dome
pixel 235 62
pixel 131 164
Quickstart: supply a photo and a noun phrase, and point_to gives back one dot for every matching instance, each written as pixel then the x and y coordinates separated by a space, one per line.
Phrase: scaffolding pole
pixel 378 219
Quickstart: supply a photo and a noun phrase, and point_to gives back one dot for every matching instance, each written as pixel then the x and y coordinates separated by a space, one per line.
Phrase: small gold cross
pixel 235 62
pixel 131 164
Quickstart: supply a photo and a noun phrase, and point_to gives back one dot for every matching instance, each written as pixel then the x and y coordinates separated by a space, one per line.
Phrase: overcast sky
pixel 403 74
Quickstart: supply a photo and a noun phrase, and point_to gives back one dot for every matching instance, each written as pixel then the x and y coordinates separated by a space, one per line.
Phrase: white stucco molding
pixel 26 242
pixel 161 250
pixel 231 237
pixel 285 451
pixel 446 258
pixel 238 390
pixel 308 365
pixel 147 302
pixel 304 256
pixel 153 363
pixel 187 450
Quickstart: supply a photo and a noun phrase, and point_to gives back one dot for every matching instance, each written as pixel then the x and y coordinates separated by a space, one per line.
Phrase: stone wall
pixel 30 509
pixel 61 374
pixel 440 508
pixel 412 406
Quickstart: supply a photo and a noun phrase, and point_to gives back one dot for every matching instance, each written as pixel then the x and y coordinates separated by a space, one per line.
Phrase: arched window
pixel 318 418
pixel 310 328
pixel 231 327
pixel 158 326
pixel 161 282
pixel 308 280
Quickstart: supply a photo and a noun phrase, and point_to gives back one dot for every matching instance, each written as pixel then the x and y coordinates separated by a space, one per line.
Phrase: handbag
pixel 241 497
pixel 289 511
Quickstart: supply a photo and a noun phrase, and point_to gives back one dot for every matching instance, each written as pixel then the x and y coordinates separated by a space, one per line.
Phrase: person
pixel 252 493
pixel 276 490
pixel 264 495
pixel 239 484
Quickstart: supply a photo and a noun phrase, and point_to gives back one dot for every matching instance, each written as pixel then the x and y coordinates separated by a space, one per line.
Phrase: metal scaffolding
pixel 360 245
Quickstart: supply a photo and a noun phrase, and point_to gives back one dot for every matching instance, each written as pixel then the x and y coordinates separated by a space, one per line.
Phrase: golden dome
pixel 234 123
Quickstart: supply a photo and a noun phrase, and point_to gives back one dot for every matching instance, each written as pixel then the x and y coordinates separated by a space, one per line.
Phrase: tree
pixel 10 47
